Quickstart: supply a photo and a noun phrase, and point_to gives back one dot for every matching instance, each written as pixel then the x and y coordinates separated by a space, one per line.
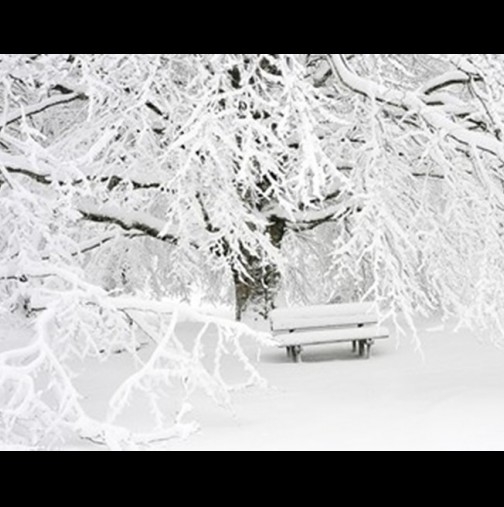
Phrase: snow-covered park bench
pixel 295 328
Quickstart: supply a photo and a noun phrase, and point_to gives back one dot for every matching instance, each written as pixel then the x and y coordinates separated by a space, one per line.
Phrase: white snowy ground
pixel 452 398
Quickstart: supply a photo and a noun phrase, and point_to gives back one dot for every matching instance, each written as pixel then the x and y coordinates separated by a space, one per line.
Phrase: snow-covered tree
pixel 253 178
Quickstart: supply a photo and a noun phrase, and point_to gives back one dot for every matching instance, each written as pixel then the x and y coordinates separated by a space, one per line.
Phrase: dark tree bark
pixel 258 291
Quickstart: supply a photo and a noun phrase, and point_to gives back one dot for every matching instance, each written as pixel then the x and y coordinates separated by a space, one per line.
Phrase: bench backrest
pixel 286 319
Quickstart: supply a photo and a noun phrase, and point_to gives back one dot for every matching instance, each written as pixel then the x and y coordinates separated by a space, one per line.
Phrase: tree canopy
pixel 129 183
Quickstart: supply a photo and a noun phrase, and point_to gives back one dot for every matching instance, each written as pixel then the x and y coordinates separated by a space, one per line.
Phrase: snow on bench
pixel 295 328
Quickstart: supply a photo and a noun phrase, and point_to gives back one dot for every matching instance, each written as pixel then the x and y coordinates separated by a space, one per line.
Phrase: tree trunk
pixel 258 292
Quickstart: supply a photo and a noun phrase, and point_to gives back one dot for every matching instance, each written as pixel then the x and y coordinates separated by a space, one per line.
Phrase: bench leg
pixel 358 345
pixel 367 349
pixel 362 346
pixel 296 354
pixel 369 344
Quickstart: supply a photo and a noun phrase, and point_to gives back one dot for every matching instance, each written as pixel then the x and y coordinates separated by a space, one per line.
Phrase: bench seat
pixel 322 336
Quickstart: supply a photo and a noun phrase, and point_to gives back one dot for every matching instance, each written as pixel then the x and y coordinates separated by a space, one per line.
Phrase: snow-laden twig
pixel 172 364
pixel 243 177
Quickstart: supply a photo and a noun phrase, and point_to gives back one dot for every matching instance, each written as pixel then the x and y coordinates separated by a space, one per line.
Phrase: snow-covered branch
pixel 413 103
pixel 45 179
pixel 447 79
pixel 127 220
pixel 249 178
pixel 44 105
pixel 176 363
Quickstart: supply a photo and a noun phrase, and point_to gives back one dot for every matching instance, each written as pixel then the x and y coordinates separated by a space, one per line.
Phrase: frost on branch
pixel 126 180
pixel 40 406
pixel 428 236
pixel 73 321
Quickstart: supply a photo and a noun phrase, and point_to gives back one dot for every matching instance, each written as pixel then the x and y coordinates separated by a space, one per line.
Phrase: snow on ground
pixel 451 398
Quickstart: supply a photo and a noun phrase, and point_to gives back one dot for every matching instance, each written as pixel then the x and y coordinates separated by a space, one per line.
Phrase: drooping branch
pixel 413 103
pixel 39 178
pixel 206 217
pixel 34 109
pixel 127 220
pixel 448 79
pixel 150 105
pixel 65 96
pixel 89 246
pixel 112 181
pixel 95 243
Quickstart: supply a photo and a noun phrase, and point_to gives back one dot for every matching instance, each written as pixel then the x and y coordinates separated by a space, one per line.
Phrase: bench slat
pixel 320 311
pixel 320 337
pixel 288 323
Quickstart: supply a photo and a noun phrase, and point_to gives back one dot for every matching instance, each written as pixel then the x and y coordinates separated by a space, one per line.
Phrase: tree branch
pixel 329 216
pixel 65 97
pixel 410 101
pixel 42 106
pixel 97 243
pixel 39 178
pixel 448 79
pixel 206 217
pixel 113 181
pixel 127 220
